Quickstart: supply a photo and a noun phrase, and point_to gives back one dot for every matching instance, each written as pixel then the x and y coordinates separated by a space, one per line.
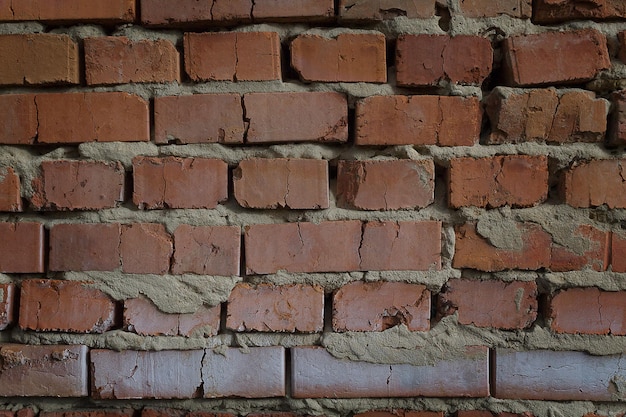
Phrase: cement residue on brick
pixel 550 282
pixel 501 231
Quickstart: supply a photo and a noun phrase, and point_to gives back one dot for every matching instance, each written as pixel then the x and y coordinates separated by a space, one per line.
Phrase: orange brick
pixel 10 197
pixel 84 247
pixel 206 250
pixel 594 183
pixel 549 12
pixel 68 11
pixel 145 248
pixel 376 10
pixel 21 247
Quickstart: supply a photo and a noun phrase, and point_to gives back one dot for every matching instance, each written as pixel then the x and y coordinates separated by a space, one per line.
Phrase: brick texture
pixel 145 248
pixel 10 190
pixel 19 119
pixel 617 121
pixel 400 413
pixel 594 183
pixel 7 298
pixel 207 250
pixel 487 8
pixel 64 11
pixel 22 247
pixel 588 247
pixel 547 11
pixel 85 247
pixel 618 252
pixel 384 10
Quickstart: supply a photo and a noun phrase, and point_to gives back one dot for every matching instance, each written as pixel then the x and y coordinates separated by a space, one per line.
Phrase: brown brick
pixel 296 117
pixel 232 56
pixel 7 298
pixel 594 183
pixel 67 11
pixel 587 247
pixel 293 11
pixel 418 120
pixel 550 11
pixel 207 250
pixel 317 374
pixel 621 54
pixel 423 60
pixel 513 180
pixel 18 118
pixel 484 413
pixel 511 305
pixel 276 308
pixel 384 10
pixel 118 60
pixel 66 306
pixel 548 115
pixel 141 316
pixel 173 182
pixel 555 57
pixel 131 374
pixel 489 8
pixel 377 306
pixel 385 185
pixel 348 57
pixel 617 121
pixel 23 55
pixel 85 247
pixel 281 183
pixel 43 371
pixel 400 413
pixel 78 185
pixel 10 190
pixel 145 248
pixel 618 252
pixel 22 247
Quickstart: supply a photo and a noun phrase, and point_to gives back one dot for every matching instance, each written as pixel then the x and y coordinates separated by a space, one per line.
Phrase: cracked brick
pixel 617 120
pixel 488 8
pixel 594 183
pixel 291 11
pixel 85 247
pixel 22 247
pixel 550 11
pixel 206 250
pixel 618 251
pixel 145 248
pixel 362 10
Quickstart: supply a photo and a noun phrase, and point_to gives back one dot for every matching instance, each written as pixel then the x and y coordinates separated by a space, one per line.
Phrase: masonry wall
pixel 305 207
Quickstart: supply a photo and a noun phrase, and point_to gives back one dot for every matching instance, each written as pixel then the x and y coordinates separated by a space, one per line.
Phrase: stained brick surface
pixel 377 10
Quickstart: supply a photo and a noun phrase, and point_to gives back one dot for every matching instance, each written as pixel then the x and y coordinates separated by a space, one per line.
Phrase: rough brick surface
pixel 293 11
pixel 281 183
pixel 276 308
pixel 232 56
pixel 60 11
pixel 423 60
pixel 385 185
pixel 555 57
pixel 511 305
pixel 68 306
pixel 587 247
pixel 377 306
pixel 10 190
pixel 175 412
pixel 43 371
pixel 594 183
pixel 514 180
pixel 18 117
pixel 173 182
pixel 85 247
pixel 489 8
pixel 22 56
pixel 87 413
pixel 551 11
pixel 358 57
pixel 621 54
pixel 22 247
pixel 418 120
pixel 145 248
pixel 386 9
pixel 7 297
pixel 618 252
pixel 207 250
pixel 118 60
pixel 617 121
pixel 400 413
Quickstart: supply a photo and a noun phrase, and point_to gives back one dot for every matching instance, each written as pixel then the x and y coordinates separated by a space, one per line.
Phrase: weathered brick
pixel 386 9
pixel 87 413
pixel 377 306
pixel 207 250
pixel 296 117
pixel 22 247
pixel 23 55
pixel 281 183
pixel 10 190
pixel 621 54
pixel 317 374
pixel 67 306
pixel 548 115
pixel 43 370
pixel 7 298
pixel 617 121
pixel 78 185
pixel 587 247
pixel 555 57
pixel 558 376
pixel 293 11
pixel 418 120
pixel 512 305
pixel 551 11
pixel 174 412
pixel 67 11
pixel 145 248
pixel 489 8
pixel 118 60
pixel 594 183
pixel 232 56
pixel 512 180
pixel 173 182
pixel 348 57
pixel 276 308
pixel 85 247
pixel 18 117
pixel 400 413
pixel 258 373
pixel 423 60
pixel 385 185
pixel 484 413
pixel 618 252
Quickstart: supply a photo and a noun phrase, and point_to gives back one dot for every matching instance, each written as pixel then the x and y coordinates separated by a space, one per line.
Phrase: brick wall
pixel 284 208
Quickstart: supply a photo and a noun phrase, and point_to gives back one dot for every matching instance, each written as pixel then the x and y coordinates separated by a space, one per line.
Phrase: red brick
pixel 618 252
pixel 423 60
pixel 118 60
pixel 7 298
pixel 78 185
pixel 131 374
pixel 276 308
pixel 513 180
pixel 317 374
pixel 66 306
pixel 207 250
pixel 22 247
pixel 25 412
pixel 400 413
pixel 588 311
pixel 377 10
pixel 476 252
pixel 92 117
pixel 18 118
pixel 511 305
pixel 23 55
pixel 296 117
pixel 43 371
pixel 489 8
pixel 141 316
pixel 348 57
pixel 257 373
pixel 555 57
pixel 232 56
pixel 293 11
pixel 418 120
pixel 377 306
pixel 555 11
pixel 67 11
pixel 594 183
pixel 385 185
pixel 173 182
pixel 281 183
pixel 558 376
pixel 85 247
pixel 587 247
pixel 10 190
pixel 145 248
pixel 617 121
